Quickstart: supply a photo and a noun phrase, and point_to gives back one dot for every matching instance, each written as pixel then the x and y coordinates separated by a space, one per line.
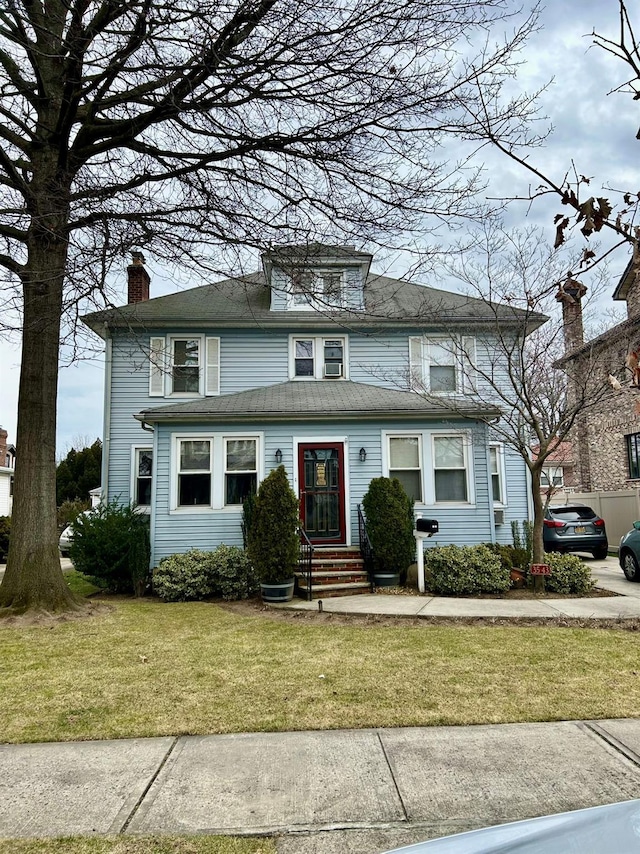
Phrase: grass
pixel 139 845
pixel 147 669
pixel 79 583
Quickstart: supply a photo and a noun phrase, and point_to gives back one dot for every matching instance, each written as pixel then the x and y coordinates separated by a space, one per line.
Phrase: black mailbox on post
pixel 427 526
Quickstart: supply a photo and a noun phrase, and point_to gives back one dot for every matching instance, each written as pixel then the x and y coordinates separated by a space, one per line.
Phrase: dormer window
pixel 317 290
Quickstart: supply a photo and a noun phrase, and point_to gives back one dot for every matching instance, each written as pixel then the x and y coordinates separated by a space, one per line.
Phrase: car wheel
pixel 630 566
pixel 601 553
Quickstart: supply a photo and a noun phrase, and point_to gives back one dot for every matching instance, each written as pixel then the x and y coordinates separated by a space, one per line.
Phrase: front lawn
pixel 146 669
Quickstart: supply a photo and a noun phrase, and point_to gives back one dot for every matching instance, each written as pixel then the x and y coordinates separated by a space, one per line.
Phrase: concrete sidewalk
pixel 361 791
pixel 607 574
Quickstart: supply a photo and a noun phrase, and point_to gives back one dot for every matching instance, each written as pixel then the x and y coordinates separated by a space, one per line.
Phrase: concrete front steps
pixel 335 571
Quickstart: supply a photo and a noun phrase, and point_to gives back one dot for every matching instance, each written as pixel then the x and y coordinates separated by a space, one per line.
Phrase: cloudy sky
pixel 594 129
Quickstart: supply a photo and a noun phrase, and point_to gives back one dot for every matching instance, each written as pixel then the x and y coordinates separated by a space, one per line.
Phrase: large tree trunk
pixel 538 516
pixel 33 579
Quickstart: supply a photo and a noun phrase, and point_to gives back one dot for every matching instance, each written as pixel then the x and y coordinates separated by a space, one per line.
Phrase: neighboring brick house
pixel 606 440
pixel 7 468
pixel 558 475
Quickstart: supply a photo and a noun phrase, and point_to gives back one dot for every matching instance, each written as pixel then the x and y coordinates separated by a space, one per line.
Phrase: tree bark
pixel 538 516
pixel 33 579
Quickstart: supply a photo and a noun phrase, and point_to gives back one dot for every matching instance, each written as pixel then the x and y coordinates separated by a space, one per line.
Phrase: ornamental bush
pixel 462 570
pixel 196 575
pixel 231 573
pixel 111 547
pixel 390 524
pixel 184 577
pixel 568 574
pixel 510 556
pixel 5 533
pixel 272 539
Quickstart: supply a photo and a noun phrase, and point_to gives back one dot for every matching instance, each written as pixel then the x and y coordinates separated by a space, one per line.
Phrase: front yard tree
pixel 188 127
pixel 512 364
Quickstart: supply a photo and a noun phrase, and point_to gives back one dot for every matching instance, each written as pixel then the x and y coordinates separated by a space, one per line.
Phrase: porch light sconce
pixel 363 455
pixel 278 456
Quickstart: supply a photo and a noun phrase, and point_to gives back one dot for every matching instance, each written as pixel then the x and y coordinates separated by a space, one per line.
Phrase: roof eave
pixel 369 415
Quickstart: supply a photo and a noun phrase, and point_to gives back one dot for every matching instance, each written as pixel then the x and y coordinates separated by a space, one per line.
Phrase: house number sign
pixel 540 569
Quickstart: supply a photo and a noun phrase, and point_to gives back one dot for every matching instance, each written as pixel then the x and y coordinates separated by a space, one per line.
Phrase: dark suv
pixel 574 528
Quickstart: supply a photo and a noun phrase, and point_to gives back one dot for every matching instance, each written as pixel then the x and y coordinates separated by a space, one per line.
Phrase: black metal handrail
pixel 366 549
pixel 305 561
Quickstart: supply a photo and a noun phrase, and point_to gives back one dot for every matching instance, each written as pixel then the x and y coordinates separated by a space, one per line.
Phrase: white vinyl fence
pixel 618 509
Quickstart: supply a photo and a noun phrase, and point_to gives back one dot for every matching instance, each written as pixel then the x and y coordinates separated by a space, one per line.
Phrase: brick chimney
pixel 3 446
pixel 570 294
pixel 138 279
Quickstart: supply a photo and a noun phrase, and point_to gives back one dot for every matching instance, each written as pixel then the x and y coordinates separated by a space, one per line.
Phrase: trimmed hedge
pixel 5 535
pixel 568 574
pixel 464 570
pixel 197 575
pixel 273 544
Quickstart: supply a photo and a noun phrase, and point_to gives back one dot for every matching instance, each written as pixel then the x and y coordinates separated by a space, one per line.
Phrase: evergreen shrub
pixel 273 544
pixel 5 533
pixel 568 574
pixel 510 556
pixel 390 523
pixel 111 547
pixel 231 573
pixel 184 577
pixel 463 570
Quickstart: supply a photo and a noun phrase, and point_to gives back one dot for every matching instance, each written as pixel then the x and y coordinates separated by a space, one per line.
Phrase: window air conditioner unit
pixel 498 517
pixel 333 369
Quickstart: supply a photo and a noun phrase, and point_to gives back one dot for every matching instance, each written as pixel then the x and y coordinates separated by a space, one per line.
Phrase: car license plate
pixel 580 529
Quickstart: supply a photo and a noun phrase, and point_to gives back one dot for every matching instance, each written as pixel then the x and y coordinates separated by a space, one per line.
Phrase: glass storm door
pixel 321 470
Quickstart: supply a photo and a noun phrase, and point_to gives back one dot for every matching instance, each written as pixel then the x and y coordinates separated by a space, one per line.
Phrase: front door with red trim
pixel 322 504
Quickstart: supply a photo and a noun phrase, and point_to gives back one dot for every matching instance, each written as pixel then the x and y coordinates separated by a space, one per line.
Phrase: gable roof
pixel 245 302
pixel 297 400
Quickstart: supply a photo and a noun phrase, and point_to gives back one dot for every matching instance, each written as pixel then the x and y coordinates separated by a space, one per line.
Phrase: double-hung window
pixel 143 473
pixel 194 472
pixel 433 467
pixel 496 462
pixel 442 364
pixel 405 464
pixel 633 455
pixel 450 469
pixel 184 366
pixel 318 358
pixel 552 476
pixel 241 469
pixel 317 289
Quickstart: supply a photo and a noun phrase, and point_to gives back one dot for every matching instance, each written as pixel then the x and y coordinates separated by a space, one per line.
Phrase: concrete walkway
pixel 607 574
pixel 361 791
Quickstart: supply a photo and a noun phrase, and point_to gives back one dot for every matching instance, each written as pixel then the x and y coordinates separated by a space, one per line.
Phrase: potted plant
pixel 390 523
pixel 272 538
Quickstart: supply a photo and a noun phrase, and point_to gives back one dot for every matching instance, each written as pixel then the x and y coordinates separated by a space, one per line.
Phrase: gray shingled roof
pixel 245 302
pixel 307 400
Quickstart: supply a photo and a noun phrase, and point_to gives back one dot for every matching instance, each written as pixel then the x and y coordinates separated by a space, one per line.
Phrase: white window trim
pixel 460 346
pixel 315 300
pixel 428 470
pixel 466 445
pixel 225 472
pixel 502 474
pixel 161 360
pixel 416 435
pixel 555 468
pixel 133 492
pixel 318 356
pixel 218 470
